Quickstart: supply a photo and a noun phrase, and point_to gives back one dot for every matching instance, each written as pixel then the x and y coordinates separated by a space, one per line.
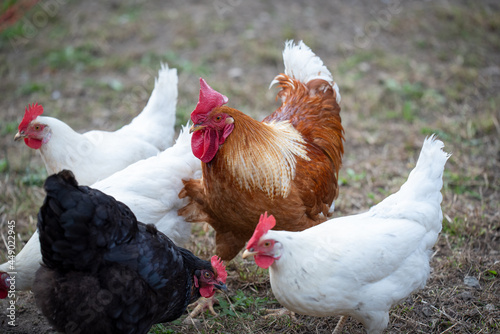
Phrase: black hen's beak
pixel 221 287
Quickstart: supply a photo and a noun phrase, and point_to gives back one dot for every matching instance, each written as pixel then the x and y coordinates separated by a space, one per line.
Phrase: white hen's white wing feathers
pixel 361 265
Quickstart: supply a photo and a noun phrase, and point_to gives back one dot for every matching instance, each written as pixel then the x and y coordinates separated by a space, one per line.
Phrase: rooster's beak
pixel 196 127
pixel 19 136
pixel 247 253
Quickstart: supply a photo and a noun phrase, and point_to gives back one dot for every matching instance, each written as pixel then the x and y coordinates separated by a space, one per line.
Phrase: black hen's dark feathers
pixel 104 271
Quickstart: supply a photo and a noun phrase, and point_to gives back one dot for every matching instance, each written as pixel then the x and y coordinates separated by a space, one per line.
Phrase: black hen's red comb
pixel 219 266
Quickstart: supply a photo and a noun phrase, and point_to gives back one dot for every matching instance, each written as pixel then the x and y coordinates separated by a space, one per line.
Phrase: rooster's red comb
pixel 265 224
pixel 219 266
pixel 209 99
pixel 30 113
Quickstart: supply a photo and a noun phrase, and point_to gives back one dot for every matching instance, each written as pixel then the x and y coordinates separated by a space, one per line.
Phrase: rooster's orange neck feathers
pixel 262 155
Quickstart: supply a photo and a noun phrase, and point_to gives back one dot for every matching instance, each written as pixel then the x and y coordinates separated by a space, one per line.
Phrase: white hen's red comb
pixel 265 224
pixel 30 113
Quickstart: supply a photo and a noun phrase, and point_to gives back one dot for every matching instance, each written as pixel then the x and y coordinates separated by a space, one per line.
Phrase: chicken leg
pixel 340 324
pixel 279 313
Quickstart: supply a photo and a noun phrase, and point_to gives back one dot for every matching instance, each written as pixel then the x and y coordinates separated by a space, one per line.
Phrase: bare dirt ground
pixel 405 70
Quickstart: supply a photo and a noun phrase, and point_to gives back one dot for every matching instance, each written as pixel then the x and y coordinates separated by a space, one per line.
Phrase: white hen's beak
pixel 19 136
pixel 247 253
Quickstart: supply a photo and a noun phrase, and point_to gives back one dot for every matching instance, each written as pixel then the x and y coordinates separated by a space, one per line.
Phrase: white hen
pixel 95 155
pixel 150 188
pixel 359 265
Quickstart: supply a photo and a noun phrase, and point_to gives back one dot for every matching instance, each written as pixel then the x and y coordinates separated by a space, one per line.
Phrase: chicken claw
pixel 279 313
pixel 201 305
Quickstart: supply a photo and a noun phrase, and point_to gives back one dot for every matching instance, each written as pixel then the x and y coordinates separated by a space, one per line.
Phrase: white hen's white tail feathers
pixel 419 198
pixel 155 124
pixel 302 64
pixel 426 179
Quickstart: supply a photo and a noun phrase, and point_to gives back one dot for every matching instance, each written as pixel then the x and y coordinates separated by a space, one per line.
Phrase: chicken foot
pixel 279 313
pixel 202 305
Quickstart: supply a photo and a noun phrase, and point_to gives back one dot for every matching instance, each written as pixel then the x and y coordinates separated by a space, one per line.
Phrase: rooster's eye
pixel 267 244
pixel 37 127
pixel 218 118
pixel 207 274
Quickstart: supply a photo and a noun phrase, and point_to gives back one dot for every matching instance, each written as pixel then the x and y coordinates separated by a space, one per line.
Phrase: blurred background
pixel 406 69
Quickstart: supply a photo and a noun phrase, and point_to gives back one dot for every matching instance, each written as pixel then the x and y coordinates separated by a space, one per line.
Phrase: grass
pixel 242 306
pixel 352 177
pixel 175 60
pixel 71 57
pixel 432 69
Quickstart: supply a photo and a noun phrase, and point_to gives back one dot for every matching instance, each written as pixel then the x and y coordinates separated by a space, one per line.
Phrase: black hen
pixel 104 272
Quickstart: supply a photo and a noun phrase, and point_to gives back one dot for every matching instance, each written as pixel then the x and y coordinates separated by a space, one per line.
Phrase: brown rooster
pixel 288 164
